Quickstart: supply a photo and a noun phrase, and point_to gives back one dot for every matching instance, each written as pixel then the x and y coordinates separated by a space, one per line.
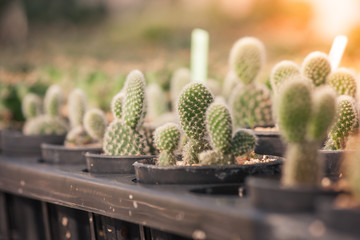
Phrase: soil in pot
pixel 99 163
pixel 60 154
pixel 268 194
pixel 16 144
pixel 148 172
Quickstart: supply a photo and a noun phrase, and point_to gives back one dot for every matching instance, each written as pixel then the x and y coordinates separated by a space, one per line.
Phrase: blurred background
pixel 93 44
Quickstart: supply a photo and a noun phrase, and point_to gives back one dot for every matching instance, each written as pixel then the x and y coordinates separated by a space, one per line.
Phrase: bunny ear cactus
pixel 282 71
pixel 77 107
pixel 49 123
pixel 78 136
pixel 230 82
pixel 31 106
pixel 251 105
pixel 343 81
pixel 225 147
pixel 303 119
pixel 167 139
pixel 95 123
pixel 247 57
pixel 116 105
pixel 316 67
pixel 346 121
pixel 53 100
pixel 191 107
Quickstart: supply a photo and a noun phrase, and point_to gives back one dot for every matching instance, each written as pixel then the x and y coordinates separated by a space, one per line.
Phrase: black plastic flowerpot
pixel 68 223
pixel 99 163
pixel 148 172
pixel 268 194
pixel 60 154
pixel 269 143
pixel 339 218
pixel 332 162
pixel 16 144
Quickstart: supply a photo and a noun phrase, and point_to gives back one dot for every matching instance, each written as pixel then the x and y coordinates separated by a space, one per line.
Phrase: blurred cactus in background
pixel 343 81
pixel 316 66
pixel 282 71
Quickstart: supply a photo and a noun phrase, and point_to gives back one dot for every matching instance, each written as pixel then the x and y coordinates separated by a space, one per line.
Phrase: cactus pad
pixel 77 107
pixel 53 100
pixel 31 106
pixel 316 67
pixel 343 81
pixel 282 71
pixel 116 105
pixel 95 123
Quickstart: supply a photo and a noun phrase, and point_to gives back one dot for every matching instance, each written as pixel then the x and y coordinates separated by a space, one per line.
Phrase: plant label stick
pixel 199 54
pixel 337 50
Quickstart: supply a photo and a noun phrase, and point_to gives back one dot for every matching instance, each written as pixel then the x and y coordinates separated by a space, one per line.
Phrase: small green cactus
pixel 49 123
pixel 282 71
pixel 346 121
pixel 31 106
pixel 45 125
pixel 251 105
pixel 120 139
pixel 53 101
pixel 303 118
pixel 343 81
pixel 247 57
pixel 125 136
pixel 167 139
pixel 134 104
pixel 316 67
pixel 77 107
pixel 225 147
pixel 192 104
pixel 157 104
pixel 179 80
pixel 95 124
pixel 116 105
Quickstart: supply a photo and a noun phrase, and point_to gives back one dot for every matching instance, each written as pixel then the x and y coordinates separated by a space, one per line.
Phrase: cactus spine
pixel 193 101
pixel 303 119
pixel 346 121
pixel 167 139
pixel 316 67
pixel 282 71
pixel 44 124
pixel 122 137
pixel 225 147
pixel 343 81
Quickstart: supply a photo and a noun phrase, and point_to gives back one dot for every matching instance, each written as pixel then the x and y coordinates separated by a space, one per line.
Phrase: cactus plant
pixel 167 139
pixel 191 107
pixel 95 123
pixel 343 81
pixel 346 121
pixel 225 147
pixel 303 117
pixel 78 136
pixel 316 66
pixel 247 57
pixel 251 105
pixel 123 136
pixel 31 106
pixel 48 123
pixel 230 82
pixel 179 80
pixel 282 71
pixel 77 107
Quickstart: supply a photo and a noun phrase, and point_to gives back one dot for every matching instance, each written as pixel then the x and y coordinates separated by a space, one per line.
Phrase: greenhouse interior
pixel 176 120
